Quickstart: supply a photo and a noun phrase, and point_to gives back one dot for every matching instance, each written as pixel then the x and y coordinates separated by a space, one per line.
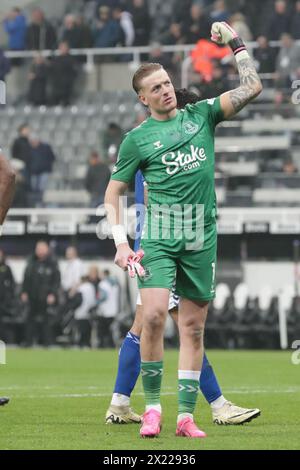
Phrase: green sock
pixel 187 395
pixel 151 376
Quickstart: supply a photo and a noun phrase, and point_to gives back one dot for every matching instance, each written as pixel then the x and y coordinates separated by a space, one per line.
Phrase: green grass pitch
pixel 59 399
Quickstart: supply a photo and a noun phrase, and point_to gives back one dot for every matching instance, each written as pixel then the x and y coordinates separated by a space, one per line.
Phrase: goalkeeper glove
pixel 222 33
pixel 134 266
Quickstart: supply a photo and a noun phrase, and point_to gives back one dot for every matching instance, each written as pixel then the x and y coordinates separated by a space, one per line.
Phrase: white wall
pixel 275 274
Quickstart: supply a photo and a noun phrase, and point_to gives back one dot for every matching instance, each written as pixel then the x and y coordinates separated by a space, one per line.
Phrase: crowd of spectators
pixel 55 306
pixel 110 23
pixel 34 162
pixel 107 23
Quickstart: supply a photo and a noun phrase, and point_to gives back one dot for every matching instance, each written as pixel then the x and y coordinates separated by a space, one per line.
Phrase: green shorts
pixel 193 270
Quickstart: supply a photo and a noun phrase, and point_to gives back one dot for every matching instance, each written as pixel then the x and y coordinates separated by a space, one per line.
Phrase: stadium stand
pixel 257 153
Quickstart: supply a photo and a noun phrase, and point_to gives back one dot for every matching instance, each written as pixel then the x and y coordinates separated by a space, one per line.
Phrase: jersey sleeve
pixel 210 109
pixel 215 110
pixel 128 161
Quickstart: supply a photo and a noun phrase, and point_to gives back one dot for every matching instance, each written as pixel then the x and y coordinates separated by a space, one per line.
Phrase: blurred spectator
pixel 84 31
pixel 62 76
pixel 203 55
pixel 74 270
pixel 216 86
pixel 40 292
pixel 37 93
pixel 15 26
pixel 141 22
pixel 21 188
pixel 278 22
pixel 76 32
pixel 124 18
pixel 42 159
pixel 219 11
pixel 110 142
pixel 158 56
pixel 239 24
pixel 108 32
pixel 82 313
pixel 197 26
pixel 264 55
pixel 287 61
pixel 173 36
pixel 97 178
pixel 40 33
pixel 94 277
pixel 295 21
pixel 70 281
pixel 21 150
pixel 180 9
pixel 108 308
pixel 7 284
pixel 160 13
pixel 289 167
pixel 7 296
pixel 71 32
pixel 250 9
pixel 4 65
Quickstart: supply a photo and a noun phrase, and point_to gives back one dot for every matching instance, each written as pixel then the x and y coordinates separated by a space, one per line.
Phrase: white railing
pixel 136 52
pixel 91 53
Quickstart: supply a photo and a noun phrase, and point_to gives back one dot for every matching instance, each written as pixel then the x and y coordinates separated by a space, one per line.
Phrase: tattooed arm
pixel 250 87
pixel 233 101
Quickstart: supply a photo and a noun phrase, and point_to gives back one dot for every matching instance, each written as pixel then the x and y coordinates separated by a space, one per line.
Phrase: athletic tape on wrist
pixel 119 234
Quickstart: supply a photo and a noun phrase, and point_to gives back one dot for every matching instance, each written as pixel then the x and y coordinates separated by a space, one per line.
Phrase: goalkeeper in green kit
pixel 175 151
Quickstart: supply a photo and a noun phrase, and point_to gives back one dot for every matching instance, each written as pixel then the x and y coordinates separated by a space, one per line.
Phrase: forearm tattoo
pixel 250 85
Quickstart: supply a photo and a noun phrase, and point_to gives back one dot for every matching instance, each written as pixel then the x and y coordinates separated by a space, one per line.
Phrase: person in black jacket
pixel 42 160
pixel 7 289
pixel 40 291
pixel 21 150
pixel 97 179
pixel 63 72
pixel 40 34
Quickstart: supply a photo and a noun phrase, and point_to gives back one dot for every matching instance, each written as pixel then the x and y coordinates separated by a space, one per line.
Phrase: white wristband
pixel 119 234
pixel 1 228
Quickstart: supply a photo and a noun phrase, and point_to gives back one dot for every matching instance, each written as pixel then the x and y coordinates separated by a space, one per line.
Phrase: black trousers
pixel 39 325
pixel 84 332
pixel 104 332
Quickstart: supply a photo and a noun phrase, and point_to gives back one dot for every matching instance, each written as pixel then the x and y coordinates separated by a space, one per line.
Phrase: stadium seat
pixel 266 321
pixel 222 295
pixel 218 325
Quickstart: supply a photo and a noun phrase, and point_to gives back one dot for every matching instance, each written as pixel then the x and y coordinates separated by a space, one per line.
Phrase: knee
pixel 154 319
pixel 193 331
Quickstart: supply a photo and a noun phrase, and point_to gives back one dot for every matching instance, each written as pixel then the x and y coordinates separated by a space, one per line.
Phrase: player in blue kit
pixel 119 411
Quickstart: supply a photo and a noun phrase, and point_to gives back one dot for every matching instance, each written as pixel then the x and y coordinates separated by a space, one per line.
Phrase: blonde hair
pixel 143 71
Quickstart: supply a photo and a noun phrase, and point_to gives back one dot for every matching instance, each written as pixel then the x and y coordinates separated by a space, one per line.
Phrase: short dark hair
pixel 184 97
pixel 143 71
